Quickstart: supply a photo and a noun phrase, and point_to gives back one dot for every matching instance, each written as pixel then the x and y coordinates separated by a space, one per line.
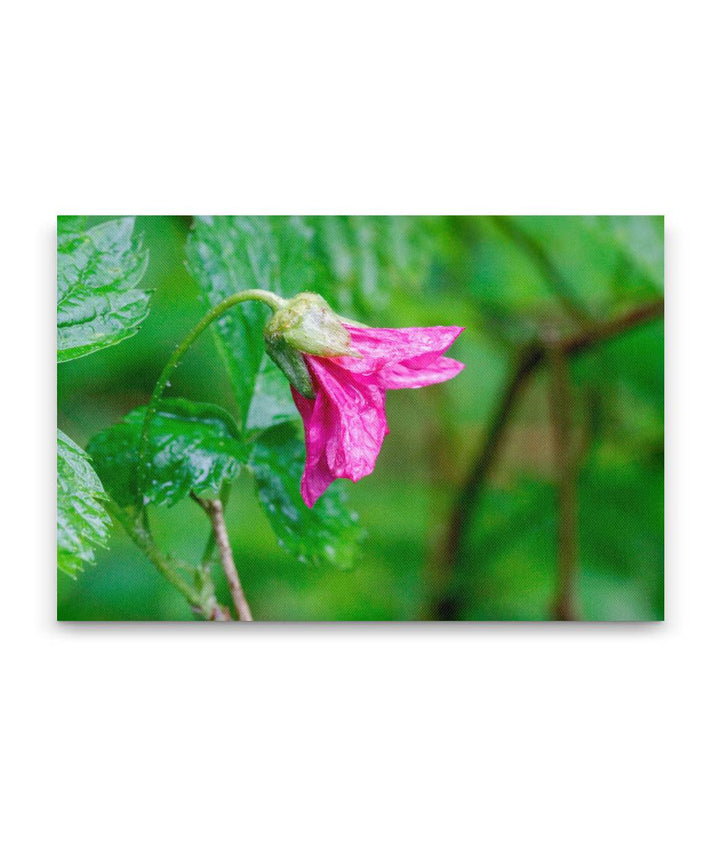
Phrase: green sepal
pixel 291 364
pixel 307 324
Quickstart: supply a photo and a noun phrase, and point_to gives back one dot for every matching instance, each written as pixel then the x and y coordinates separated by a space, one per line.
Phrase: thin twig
pixel 218 613
pixel 445 605
pixel 201 602
pixel 214 510
pixel 604 331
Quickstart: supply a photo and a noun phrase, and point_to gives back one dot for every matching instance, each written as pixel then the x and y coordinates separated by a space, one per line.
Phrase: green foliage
pixel 366 258
pixel 325 534
pixel 621 556
pixel 272 402
pixel 510 570
pixel 229 254
pixel 82 522
pixel 279 254
pixel 637 241
pixel 526 270
pixel 354 262
pixel 98 305
pixel 193 447
pixel 98 299
pixel 406 272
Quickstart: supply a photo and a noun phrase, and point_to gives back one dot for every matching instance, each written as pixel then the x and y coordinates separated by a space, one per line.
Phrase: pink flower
pixel 345 424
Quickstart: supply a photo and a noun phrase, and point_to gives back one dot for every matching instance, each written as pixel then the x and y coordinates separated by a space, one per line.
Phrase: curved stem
pixel 274 301
pixel 207 606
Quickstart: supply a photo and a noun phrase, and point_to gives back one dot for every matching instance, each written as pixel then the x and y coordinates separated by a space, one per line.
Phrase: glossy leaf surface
pixel 328 533
pixel 99 301
pixel 82 522
pixel 230 254
pixel 351 261
pixel 193 447
pixel 272 402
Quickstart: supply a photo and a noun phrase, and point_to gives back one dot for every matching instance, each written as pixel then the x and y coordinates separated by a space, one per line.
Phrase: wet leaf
pixel 230 254
pixel 82 522
pixel 99 302
pixel 367 257
pixel 326 534
pixel 353 262
pixel 272 402
pixel 193 447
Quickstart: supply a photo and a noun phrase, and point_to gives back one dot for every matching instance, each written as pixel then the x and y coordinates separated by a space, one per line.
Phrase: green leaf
pixel 193 447
pixel 640 241
pixel 326 534
pixel 98 299
pixel 68 225
pixel 528 269
pixel 366 258
pixel 229 254
pixel 82 522
pixel 272 402
pixel 351 261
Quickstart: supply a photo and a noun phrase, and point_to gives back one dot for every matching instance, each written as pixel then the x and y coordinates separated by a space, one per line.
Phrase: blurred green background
pixel 520 285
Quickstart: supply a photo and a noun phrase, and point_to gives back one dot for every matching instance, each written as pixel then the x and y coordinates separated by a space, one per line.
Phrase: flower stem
pixel 202 602
pixel 274 301
pixel 214 510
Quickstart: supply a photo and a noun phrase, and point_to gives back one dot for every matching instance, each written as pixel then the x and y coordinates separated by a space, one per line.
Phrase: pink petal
pixel 345 424
pixel 344 427
pixel 407 357
pixel 410 375
pixel 382 347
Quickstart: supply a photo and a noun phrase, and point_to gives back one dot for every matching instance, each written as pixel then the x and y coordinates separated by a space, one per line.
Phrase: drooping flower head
pixel 339 371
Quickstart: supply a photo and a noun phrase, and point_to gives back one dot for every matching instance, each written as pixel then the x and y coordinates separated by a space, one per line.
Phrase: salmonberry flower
pixel 339 371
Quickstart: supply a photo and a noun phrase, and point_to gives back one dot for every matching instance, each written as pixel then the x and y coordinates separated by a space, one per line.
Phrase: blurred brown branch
pixel 445 602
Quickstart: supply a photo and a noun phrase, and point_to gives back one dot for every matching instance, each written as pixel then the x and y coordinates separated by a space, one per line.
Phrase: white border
pixel 508 739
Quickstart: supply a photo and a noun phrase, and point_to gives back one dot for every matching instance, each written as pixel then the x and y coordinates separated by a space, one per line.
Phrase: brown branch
pixel 604 331
pixel 444 605
pixel 444 602
pixel 565 607
pixel 214 510
pixel 219 613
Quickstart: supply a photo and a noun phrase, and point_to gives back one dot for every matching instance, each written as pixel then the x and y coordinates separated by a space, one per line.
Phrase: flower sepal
pixel 307 324
pixel 292 364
